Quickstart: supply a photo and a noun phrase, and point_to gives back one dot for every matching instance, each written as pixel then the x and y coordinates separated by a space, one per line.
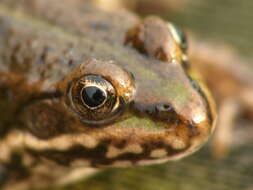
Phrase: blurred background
pixel 224 21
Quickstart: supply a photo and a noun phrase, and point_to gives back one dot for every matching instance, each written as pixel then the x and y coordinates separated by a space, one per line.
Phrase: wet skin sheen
pixel 104 90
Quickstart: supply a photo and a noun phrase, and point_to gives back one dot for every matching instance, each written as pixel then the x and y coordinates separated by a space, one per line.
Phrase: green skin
pixel 40 55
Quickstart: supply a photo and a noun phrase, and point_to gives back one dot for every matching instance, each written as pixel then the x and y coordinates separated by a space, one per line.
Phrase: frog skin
pixel 152 107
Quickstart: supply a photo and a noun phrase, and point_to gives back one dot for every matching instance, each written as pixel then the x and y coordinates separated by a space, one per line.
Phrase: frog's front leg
pixel 231 82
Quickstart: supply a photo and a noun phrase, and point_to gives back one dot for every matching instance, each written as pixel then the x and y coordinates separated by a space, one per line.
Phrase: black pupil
pixel 93 96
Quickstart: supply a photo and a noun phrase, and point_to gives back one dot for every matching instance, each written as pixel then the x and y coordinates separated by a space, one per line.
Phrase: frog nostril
pixel 157 111
pixel 164 112
pixel 163 107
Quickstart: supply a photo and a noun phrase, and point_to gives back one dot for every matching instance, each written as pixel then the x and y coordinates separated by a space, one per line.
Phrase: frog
pixel 81 92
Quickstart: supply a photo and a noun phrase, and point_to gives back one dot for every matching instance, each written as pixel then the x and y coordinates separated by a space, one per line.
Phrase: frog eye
pixel 94 99
pixel 98 92
pixel 179 36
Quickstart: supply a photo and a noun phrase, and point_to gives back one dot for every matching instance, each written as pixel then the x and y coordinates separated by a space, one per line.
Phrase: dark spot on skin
pixel 15 168
pixel 193 129
pixel 43 56
pixel 19 60
pixel 162 55
pixel 121 144
pixel 71 62
pixel 13 57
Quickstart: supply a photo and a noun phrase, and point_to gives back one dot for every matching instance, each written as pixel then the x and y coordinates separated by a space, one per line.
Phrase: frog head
pixel 123 112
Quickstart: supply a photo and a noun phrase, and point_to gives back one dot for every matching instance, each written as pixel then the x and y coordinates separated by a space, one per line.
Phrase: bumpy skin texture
pixel 166 118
